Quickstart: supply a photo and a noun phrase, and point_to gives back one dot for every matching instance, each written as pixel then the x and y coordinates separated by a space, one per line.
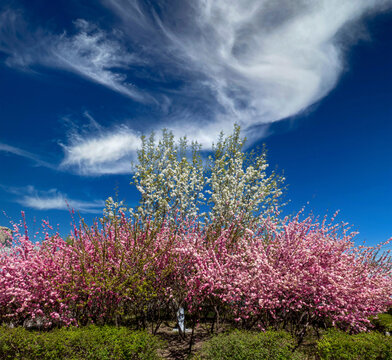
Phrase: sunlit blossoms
pixel 297 275
pixel 293 274
pixel 206 237
pixel 174 179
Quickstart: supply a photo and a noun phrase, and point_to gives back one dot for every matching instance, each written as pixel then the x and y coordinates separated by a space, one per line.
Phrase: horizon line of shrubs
pixel 288 274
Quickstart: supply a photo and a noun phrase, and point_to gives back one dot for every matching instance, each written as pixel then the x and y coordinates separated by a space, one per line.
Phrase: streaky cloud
pixel 53 199
pixel 26 154
pixel 105 152
pixel 253 62
pixel 250 62
pixel 91 53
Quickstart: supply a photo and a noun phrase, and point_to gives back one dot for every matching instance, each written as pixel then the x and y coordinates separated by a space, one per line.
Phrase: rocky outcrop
pixel 37 323
pixel 5 235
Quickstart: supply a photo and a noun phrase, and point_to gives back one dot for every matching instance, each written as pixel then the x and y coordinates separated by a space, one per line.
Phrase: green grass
pixel 92 342
pixel 246 345
pixel 337 345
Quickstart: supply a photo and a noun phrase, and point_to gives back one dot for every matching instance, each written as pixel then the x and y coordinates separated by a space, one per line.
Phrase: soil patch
pixel 178 348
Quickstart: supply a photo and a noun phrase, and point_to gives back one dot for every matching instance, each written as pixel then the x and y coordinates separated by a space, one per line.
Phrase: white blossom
pixel 172 179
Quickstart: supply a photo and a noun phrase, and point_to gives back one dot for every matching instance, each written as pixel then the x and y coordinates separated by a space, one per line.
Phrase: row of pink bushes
pixel 292 274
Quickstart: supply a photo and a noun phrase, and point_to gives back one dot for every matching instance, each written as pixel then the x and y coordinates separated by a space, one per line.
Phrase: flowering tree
pixel 166 179
pixel 172 179
pixel 296 274
pixel 237 182
pixel 237 259
pixel 100 275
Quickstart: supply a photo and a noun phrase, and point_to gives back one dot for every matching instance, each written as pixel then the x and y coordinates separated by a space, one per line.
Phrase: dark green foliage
pixel 337 345
pixel 90 342
pixel 383 322
pixel 245 345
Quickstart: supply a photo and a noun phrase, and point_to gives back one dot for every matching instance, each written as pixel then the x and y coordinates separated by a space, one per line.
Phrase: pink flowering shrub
pixel 28 272
pixel 294 274
pixel 99 275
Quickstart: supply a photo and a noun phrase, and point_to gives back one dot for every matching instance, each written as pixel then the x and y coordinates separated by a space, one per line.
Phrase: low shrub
pixel 337 345
pixel 246 345
pixel 90 342
pixel 292 273
pixel 383 322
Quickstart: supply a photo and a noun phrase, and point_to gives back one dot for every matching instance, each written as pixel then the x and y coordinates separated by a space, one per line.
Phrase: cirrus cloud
pixel 105 153
pixel 250 62
pixel 52 199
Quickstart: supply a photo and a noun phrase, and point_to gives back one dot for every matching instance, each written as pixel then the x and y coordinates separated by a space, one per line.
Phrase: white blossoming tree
pixel 238 182
pixel 167 179
pixel 172 178
pixel 174 181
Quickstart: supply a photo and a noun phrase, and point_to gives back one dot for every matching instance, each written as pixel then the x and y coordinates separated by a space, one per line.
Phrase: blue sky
pixel 81 80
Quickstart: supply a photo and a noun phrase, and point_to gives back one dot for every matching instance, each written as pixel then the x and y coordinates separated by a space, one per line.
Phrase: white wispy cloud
pixel 251 62
pixel 106 152
pixel 16 151
pixel 26 154
pixel 53 199
pixel 261 61
pixel 90 52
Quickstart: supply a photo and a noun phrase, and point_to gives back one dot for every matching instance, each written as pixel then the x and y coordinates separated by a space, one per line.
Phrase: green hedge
pixel 383 322
pixel 337 345
pixel 90 342
pixel 245 345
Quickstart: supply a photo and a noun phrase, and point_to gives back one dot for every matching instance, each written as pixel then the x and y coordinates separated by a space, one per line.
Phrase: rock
pixel 10 325
pixel 37 323
pixel 5 235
